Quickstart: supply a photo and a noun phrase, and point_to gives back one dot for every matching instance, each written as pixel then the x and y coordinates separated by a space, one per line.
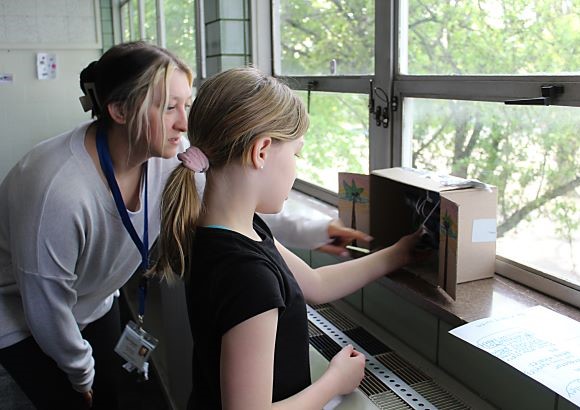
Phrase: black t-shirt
pixel 233 279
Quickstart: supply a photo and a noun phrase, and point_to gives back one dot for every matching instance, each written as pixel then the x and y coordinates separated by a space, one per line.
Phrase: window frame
pixel 386 145
pixel 489 88
pixel 358 84
pixel 161 34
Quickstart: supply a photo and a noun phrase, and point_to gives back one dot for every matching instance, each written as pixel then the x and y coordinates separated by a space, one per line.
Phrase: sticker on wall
pixel 45 66
pixel 6 78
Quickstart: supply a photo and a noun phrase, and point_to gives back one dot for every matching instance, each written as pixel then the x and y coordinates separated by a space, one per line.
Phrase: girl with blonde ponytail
pixel 246 292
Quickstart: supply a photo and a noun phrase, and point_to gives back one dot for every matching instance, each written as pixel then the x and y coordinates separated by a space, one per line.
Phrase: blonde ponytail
pixel 180 208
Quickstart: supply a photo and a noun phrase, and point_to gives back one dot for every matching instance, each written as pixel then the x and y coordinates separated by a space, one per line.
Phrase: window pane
pixel 531 153
pixel 180 29
pixel 125 23
pixel 337 140
pixel 324 37
pixel 489 37
pixel 150 22
pixel 135 30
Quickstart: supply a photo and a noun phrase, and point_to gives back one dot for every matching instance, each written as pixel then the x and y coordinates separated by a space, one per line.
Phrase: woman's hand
pixel 342 236
pixel 88 398
pixel 347 367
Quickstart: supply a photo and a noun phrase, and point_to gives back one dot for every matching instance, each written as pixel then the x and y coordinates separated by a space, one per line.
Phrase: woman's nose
pixel 181 123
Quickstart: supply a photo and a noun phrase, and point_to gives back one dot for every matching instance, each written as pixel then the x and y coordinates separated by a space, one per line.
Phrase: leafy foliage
pixel 180 29
pixel 337 138
pixel 532 154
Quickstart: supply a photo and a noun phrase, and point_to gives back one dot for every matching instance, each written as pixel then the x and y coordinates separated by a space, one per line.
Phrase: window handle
pixel 549 93
pixel 311 86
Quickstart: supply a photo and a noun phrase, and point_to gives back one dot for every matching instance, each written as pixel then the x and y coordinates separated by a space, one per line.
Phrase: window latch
pixel 549 93
pixel 381 113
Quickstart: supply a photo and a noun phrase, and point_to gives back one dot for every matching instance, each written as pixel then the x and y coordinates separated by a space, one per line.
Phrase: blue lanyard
pixel 142 245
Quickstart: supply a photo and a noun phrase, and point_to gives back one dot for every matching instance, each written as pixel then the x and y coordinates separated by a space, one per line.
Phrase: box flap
pixel 427 179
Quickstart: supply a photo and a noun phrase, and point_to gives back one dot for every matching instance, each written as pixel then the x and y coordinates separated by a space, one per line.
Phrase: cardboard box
pixel 459 216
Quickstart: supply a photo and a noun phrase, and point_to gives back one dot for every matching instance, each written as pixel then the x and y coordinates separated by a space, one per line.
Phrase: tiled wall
pixel 227 34
pixel 106 24
pixel 493 380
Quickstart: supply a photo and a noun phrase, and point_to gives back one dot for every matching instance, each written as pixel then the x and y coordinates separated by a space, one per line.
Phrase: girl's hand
pixel 409 249
pixel 347 366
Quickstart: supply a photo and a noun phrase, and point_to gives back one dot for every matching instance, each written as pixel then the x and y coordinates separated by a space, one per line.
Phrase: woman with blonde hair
pixel 246 292
pixel 65 212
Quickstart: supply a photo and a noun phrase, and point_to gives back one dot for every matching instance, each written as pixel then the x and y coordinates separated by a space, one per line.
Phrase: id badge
pixel 135 346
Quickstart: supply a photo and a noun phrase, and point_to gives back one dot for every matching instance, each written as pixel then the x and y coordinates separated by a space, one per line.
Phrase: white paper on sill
pixel 539 342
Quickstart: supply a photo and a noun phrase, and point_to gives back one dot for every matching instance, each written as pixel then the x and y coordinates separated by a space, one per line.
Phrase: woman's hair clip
pixel 89 101
pixel 86 103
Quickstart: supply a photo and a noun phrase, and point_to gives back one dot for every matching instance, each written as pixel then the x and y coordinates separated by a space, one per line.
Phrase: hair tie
pixel 193 158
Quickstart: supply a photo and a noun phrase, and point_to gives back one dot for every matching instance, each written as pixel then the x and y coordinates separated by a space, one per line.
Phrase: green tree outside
pixel 532 154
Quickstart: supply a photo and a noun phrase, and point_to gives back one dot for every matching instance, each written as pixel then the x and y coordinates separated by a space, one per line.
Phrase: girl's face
pixel 174 116
pixel 279 173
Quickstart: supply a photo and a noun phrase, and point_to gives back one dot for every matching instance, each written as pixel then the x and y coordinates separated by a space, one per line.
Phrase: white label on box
pixel 484 230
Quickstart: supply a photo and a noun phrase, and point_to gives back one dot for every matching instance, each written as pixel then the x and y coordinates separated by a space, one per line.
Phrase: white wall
pixel 33 110
pixel 30 109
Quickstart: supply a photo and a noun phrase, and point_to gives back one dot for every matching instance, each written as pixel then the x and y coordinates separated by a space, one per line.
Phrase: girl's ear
pixel 116 112
pixel 260 150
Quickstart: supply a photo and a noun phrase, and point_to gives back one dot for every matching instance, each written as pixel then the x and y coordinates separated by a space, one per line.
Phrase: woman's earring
pixel 262 166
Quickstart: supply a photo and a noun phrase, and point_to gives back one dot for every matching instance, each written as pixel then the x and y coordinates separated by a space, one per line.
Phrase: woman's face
pixel 279 173
pixel 174 116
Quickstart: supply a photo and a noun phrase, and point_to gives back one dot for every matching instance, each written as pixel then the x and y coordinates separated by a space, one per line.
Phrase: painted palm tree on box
pixel 354 195
pixel 448 230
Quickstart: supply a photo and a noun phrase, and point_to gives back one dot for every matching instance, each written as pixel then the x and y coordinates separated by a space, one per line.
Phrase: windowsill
pixel 475 300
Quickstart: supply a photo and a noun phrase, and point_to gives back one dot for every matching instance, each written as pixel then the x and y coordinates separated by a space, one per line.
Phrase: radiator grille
pixel 370 343
pixel 337 318
pixel 390 382
pixel 325 345
pixel 401 368
pixel 389 401
pixel 313 330
pixel 438 396
pixel 370 384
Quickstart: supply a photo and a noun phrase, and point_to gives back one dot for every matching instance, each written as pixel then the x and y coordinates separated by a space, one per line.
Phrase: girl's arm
pixel 247 370
pixel 247 363
pixel 332 282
